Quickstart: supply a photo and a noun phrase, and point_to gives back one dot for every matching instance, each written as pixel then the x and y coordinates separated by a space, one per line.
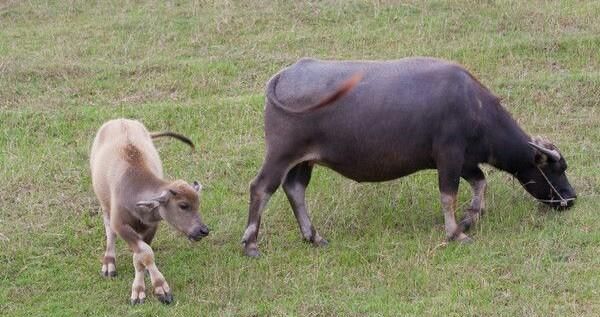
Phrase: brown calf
pixel 128 180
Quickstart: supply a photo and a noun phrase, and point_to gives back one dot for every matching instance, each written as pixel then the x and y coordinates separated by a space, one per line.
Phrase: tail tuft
pixel 343 89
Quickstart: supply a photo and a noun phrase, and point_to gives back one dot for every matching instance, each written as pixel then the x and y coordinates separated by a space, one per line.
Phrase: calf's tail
pixel 343 89
pixel 177 136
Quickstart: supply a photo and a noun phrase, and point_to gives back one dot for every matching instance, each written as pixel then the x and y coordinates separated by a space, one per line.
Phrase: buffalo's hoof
pixel 136 301
pixel 320 242
pixel 460 238
pixel 465 223
pixel 251 249
pixel 470 217
pixel 251 252
pixel 464 239
pixel 108 274
pixel 165 298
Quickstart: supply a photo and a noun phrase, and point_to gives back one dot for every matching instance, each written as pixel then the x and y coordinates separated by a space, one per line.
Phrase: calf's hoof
pixel 136 301
pixel 138 296
pixel 108 270
pixel 166 298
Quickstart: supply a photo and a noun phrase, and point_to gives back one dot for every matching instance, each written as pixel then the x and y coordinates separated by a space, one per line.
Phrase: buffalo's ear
pixel 146 205
pixel 197 186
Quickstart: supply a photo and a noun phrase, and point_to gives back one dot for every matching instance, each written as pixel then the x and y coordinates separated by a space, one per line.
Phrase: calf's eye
pixel 184 206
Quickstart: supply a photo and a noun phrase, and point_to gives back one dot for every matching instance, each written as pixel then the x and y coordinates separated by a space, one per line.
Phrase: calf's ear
pixel 197 186
pixel 146 205
pixel 149 205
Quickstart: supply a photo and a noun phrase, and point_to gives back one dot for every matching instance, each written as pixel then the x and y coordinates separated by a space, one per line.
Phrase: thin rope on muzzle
pixel 563 201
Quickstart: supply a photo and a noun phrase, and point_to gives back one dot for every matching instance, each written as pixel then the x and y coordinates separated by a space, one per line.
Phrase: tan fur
pixel 126 172
pixel 128 139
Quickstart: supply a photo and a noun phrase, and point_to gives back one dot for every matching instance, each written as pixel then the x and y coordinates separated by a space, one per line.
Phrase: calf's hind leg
pixel 108 262
pixel 294 185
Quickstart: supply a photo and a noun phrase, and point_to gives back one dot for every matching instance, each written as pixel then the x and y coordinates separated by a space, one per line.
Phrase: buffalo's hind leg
pixel 294 185
pixel 262 187
pixel 476 179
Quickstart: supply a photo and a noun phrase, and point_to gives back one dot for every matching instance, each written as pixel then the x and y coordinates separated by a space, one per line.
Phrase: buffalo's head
pixel 544 178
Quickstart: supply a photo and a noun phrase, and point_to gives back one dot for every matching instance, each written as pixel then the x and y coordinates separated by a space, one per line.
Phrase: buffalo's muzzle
pixel 562 204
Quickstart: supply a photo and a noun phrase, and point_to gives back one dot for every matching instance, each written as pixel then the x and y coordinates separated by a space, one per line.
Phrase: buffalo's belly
pixel 376 166
pixel 371 173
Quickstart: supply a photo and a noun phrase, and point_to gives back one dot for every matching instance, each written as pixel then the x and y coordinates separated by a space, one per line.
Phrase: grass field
pixel 199 68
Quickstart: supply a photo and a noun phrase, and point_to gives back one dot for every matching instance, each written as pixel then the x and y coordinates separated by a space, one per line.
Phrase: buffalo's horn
pixel 552 154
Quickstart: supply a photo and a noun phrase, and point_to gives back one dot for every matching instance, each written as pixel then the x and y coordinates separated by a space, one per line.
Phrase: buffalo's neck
pixel 507 144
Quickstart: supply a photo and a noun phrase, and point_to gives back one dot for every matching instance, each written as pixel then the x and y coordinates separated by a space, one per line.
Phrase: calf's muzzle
pixel 199 232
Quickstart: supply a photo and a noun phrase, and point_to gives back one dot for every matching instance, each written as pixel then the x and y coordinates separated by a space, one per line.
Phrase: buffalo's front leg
pixel 453 231
pixel 476 179
pixel 262 187
pixel 294 185
pixel 449 171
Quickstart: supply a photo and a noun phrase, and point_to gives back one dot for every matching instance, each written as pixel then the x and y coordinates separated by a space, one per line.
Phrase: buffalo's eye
pixel 184 206
pixel 560 168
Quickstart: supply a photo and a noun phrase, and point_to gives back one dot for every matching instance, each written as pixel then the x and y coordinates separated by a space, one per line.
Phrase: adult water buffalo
pixel 376 121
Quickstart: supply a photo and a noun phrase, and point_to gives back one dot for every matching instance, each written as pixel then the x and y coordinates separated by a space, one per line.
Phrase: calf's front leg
pixel 143 258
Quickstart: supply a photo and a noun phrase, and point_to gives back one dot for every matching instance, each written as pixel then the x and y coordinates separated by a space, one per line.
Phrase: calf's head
pixel 545 177
pixel 178 204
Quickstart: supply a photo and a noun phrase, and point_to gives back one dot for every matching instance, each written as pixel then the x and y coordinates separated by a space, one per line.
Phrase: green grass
pixel 199 68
